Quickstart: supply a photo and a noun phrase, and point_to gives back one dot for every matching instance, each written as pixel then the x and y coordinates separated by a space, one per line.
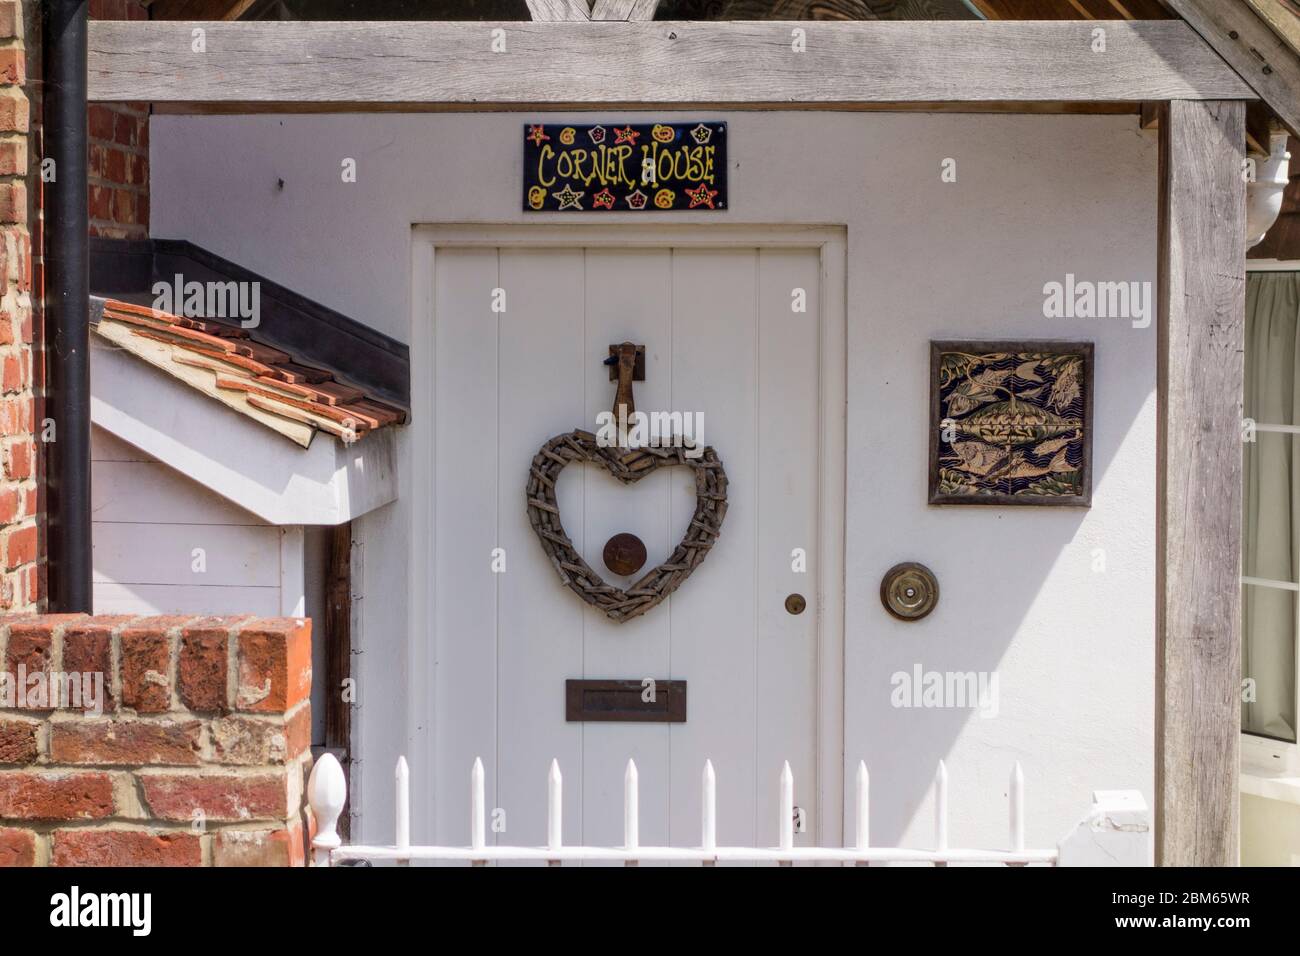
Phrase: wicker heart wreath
pixel 628 466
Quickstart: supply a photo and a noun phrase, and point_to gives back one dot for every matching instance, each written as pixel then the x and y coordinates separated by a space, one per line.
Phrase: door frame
pixel 831 243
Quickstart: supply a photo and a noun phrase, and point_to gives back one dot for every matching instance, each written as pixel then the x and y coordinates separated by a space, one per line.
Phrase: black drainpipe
pixel 67 307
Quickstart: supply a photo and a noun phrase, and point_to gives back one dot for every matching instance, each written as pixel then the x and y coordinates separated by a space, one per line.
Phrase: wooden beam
pixel 1262 58
pixel 1259 124
pixel 650 64
pixel 559 10
pixel 1202 305
pixel 1039 107
pixel 1282 17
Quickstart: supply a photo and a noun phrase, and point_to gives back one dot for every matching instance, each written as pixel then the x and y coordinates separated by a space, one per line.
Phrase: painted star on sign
pixel 702 196
pixel 568 198
pixel 636 200
pixel 603 200
pixel 537 134
pixel 625 135
pixel 597 134
pixel 701 134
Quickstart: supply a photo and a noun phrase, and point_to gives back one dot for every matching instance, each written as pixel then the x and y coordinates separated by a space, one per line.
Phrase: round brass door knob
pixel 909 591
pixel 624 554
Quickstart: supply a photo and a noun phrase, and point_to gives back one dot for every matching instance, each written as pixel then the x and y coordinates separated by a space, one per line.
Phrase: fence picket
pixel 402 781
pixel 631 808
pixel 862 836
pixel 554 809
pixel 709 811
pixel 787 810
pixel 1116 829
pixel 477 806
pixel 941 811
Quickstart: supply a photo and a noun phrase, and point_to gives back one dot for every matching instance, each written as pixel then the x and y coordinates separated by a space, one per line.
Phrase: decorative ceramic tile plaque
pixel 1011 423
pixel 632 167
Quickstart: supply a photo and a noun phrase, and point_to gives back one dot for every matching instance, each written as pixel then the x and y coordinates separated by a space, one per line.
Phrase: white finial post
pixel 787 807
pixel 941 810
pixel 1017 809
pixel 631 809
pixel 402 781
pixel 863 793
pixel 327 791
pixel 709 811
pixel 554 808
pixel 477 807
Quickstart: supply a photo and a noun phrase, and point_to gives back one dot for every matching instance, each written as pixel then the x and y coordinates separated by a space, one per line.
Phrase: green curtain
pixel 1271 502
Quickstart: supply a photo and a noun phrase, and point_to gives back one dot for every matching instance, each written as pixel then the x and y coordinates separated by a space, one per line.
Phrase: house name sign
pixel 632 167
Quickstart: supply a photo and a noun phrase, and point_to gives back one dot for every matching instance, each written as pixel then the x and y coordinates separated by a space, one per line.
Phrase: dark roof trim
pixel 353 352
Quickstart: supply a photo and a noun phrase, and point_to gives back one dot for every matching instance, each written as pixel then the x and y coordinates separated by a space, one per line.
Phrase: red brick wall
pixel 119 151
pixel 198 759
pixel 118 194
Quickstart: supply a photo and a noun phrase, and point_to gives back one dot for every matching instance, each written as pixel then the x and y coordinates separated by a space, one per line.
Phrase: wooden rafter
pixel 1283 16
pixel 450 65
pixel 624 9
pixel 1072 9
pixel 1250 46
pixel 199 9
pixel 559 10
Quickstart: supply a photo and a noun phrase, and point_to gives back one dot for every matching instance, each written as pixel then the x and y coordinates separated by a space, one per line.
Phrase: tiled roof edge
pixel 318 335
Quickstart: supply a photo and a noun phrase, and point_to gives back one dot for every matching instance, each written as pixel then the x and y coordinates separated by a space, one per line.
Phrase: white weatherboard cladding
pixel 1036 197
pixel 164 544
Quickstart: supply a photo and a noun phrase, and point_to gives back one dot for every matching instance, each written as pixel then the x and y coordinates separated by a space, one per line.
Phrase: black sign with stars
pixel 649 167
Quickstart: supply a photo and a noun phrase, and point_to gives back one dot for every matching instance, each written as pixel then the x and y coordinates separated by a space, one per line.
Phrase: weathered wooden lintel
pixel 316 66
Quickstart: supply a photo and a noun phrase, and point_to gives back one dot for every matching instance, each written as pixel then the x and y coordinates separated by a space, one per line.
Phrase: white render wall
pixel 1059 602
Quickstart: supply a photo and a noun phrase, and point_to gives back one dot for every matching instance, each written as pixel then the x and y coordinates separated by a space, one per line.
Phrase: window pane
pixel 1271 507
pixel 1272 306
pixel 1268 662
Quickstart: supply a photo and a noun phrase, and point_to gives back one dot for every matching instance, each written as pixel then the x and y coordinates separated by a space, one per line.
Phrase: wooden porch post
pixel 1201 341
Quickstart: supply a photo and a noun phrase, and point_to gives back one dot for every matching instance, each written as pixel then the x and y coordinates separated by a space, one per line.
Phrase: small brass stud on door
pixel 795 603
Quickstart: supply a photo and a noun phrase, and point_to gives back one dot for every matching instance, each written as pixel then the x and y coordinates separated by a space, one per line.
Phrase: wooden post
pixel 1200 368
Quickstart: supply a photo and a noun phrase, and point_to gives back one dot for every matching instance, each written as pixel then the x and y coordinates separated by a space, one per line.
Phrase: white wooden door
pixel 731 334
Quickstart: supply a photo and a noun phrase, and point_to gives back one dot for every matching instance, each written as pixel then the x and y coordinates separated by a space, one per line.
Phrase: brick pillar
pixel 195 753
pixel 119 208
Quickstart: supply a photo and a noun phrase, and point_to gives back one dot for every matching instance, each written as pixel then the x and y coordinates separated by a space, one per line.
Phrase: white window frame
pixel 1264 757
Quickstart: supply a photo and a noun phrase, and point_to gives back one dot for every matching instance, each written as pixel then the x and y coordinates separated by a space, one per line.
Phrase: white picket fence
pixel 1116 832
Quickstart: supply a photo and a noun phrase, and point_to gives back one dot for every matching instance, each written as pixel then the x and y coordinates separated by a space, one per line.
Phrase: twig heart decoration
pixel 628 465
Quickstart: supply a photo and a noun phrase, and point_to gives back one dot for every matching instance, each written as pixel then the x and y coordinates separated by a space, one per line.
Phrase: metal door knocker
pixel 628 465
